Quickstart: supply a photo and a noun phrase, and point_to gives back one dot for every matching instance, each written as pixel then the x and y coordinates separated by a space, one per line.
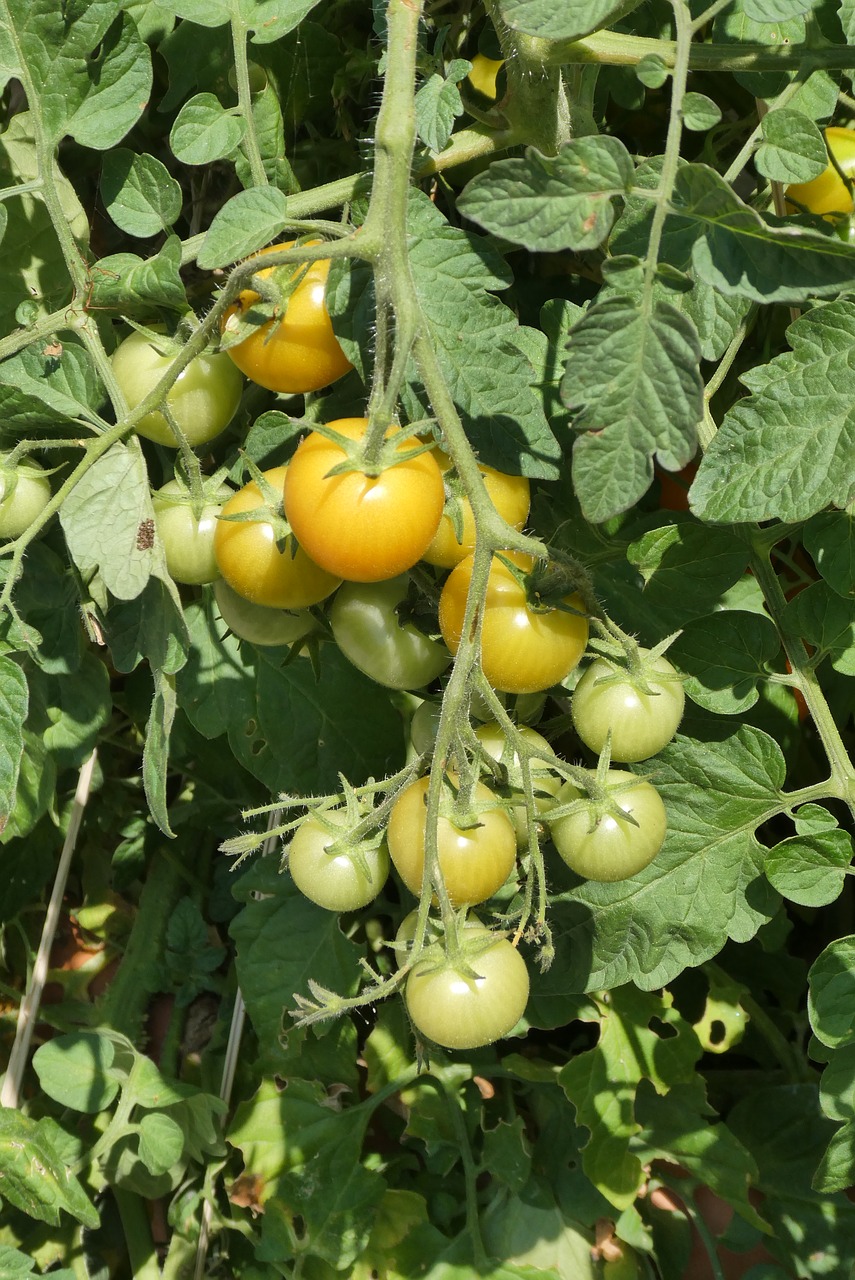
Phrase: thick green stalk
pixel 613 48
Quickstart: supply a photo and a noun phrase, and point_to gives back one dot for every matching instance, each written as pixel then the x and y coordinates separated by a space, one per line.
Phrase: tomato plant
pixel 24 494
pixel 370 634
pixel 188 540
pixel 462 1010
pixel 202 400
pixel 523 648
pixel 360 526
pixel 639 711
pixel 343 879
pixel 545 783
pixel 255 565
pixel 475 860
pixel 296 352
pixel 597 841
pixel 510 495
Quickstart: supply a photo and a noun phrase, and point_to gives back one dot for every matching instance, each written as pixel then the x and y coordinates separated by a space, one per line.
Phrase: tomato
pixel 483 75
pixel 336 881
pixel 522 649
pixel 251 562
pixel 259 624
pixel 461 1012
pixel 545 783
pixel 298 352
pixel 829 194
pixel 433 934
pixel 510 495
pixel 601 846
pixel 370 635
pixel 474 863
pixel 202 400
pixel 642 712
pixel 362 528
pixel 24 494
pixel 187 542
pixel 424 725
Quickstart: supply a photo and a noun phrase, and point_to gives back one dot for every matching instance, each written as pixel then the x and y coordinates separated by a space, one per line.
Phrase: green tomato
pixel 370 635
pixel 202 400
pixel 187 542
pixel 24 494
pixel 545 783
pixel 642 715
pixel 335 881
pixel 433 934
pixel 461 1012
pixel 258 624
pixel 603 846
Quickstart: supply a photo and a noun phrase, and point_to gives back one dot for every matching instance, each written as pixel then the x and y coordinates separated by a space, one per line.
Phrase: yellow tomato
pixel 828 194
pixel 510 495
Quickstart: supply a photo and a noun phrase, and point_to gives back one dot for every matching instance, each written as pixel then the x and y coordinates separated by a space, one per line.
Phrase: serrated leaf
pixel 438 104
pixel 74 1070
pixel 46 597
pixel 831 1000
pixel 245 223
pixel 602 1083
pixel 549 203
pixel 725 657
pixel 34 1178
pixel 76 712
pixel 130 284
pixel 793 149
pixel 567 21
pixel 205 131
pixel 350 302
pixel 686 567
pixel 14 704
pixel 475 338
pixel 108 522
pixel 155 761
pixel 139 193
pixel 42 390
pixel 120 79
pixel 35 790
pixel 737 252
pixel 827 623
pixel 810 869
pixel 151 626
pixel 788 450
pixel 701 888
pixel 829 538
pixel 633 379
pixel 835 1170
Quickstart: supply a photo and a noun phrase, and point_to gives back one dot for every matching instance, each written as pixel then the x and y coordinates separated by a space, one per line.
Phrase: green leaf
pixel 793 149
pixel 76 712
pixel 41 391
pixel 216 686
pixel 837 1085
pixel 826 622
pixel 703 886
pixel 285 933
pixel 829 538
pixel 685 567
pixel 247 222
pixel 161 1142
pixel 726 656
pixel 535 1237
pixel 737 252
pixel 507 1154
pixel 438 104
pixel 204 131
pixel 151 626
pixel 602 1083
pixel 831 1000
pixel 775 10
pixel 547 203
pixel 567 21
pixel 633 379
pixel 47 599
pixel 811 869
pixel 476 344
pixel 787 450
pixel 139 193
pixel 677 1128
pixel 14 704
pixel 35 791
pixel 34 1178
pixel 118 89
pixel 74 1070
pixel 127 283
pixel 700 112
pixel 837 1166
pixel 270 134
pixel 156 750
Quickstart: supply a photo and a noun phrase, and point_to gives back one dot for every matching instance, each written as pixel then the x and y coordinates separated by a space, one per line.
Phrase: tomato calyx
pixel 548 583
pixel 264 299
pixel 271 512
pixel 369 457
pixel 354 830
pixel 181 492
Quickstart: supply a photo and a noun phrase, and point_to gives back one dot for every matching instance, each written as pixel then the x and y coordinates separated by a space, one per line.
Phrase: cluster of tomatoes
pixel 341 540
